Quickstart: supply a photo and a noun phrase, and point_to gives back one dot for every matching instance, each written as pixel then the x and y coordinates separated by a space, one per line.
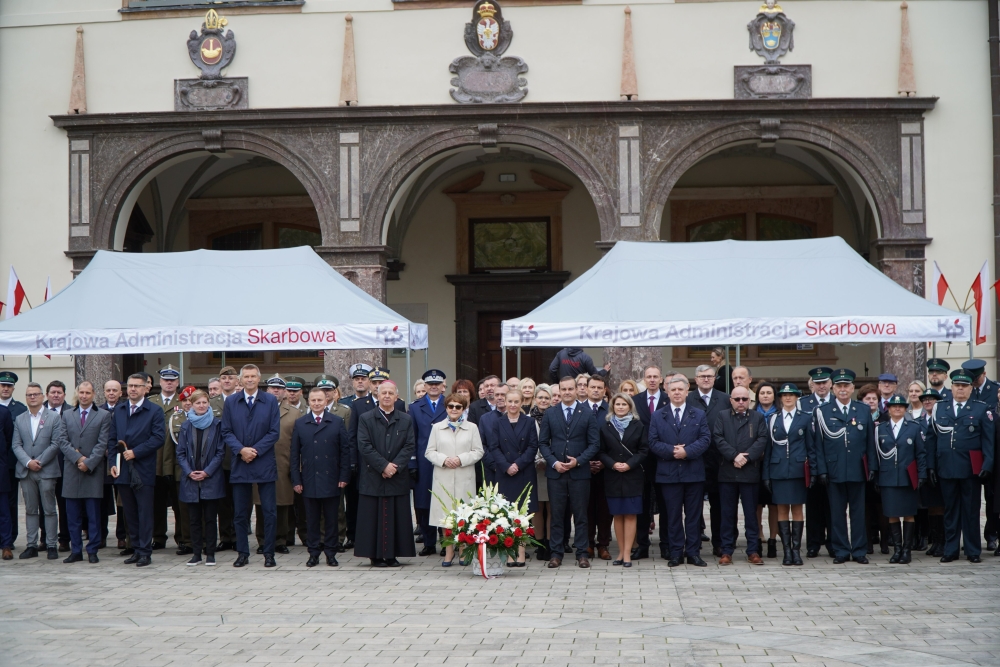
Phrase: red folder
pixel 808 476
pixel 864 459
pixel 976 458
pixel 912 470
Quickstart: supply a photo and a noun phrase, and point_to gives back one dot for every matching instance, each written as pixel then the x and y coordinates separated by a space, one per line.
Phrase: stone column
pixel 903 261
pixel 628 363
pixel 365 266
pixel 98 369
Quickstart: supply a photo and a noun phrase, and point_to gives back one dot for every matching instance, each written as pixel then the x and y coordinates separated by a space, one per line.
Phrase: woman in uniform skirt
pixel 790 469
pixel 512 449
pixel 901 468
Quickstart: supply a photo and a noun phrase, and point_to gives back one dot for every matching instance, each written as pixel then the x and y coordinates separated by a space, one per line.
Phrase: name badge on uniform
pixel 972 429
pixel 801 431
pixel 861 427
pixel 909 441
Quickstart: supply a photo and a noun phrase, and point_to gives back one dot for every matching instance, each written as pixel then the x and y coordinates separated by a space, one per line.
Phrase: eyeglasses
pixel 740 400
pixel 455 406
pixel 705 377
pixel 34 395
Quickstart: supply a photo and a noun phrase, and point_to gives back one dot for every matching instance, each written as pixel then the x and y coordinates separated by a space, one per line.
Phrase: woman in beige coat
pixel 454 447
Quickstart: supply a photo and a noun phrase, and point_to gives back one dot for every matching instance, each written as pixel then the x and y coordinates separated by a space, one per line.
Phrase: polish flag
pixel 15 294
pixel 984 304
pixel 939 285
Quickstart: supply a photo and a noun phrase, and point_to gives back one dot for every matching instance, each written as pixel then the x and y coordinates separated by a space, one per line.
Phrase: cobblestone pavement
pixel 923 614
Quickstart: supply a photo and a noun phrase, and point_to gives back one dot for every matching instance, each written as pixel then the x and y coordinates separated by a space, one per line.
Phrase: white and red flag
pixel 984 304
pixel 15 294
pixel 939 286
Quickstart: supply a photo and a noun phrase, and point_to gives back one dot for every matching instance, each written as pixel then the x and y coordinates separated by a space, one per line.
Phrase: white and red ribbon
pixel 481 539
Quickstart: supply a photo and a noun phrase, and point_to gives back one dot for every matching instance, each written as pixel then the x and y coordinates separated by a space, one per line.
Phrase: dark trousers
pixel 12 504
pixel 351 507
pixel 325 508
pixel 243 504
pixel 817 518
pixel 572 494
pixel 992 527
pixel 844 497
pixel 63 536
pixel 732 494
pixel 683 505
pixel 78 509
pixel 227 531
pixel 6 524
pixel 281 525
pixel 121 523
pixel 182 522
pixel 598 514
pixel 961 516
pixel 164 496
pixel 138 508
pixel 297 523
pixel 200 514
pixel 650 509
pixel 107 511
pixel 428 531
pixel 714 512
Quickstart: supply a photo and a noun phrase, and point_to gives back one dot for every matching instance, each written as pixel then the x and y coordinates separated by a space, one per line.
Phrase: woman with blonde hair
pixel 628 387
pixel 527 388
pixel 624 446
pixel 542 521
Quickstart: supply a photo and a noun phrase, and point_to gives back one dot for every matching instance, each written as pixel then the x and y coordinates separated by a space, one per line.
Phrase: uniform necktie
pixel 569 413
pixel 677 416
pixel 250 402
pixel 83 418
pixel 133 410
pixel 434 407
pixel 895 429
pixel 958 408
pixel 843 409
pixel 595 407
pixel 652 405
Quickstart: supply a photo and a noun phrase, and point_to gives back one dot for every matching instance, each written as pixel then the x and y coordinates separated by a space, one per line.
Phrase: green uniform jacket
pixel 166 456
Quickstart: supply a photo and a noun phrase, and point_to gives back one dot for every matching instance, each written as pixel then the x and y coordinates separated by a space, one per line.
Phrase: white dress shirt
pixel 36 419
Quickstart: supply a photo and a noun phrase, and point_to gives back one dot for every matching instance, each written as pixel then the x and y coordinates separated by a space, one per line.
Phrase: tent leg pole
pixel 409 385
pixel 728 390
pixel 223 358
pixel 503 362
pixel 31 370
pixel 181 364
pixel 519 363
pixel 737 355
pixel 972 340
pixel 425 359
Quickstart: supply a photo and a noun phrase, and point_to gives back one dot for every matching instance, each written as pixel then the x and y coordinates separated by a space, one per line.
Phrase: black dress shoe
pixel 332 561
pixel 870 549
pixel 269 561
pixel 639 553
pixel 53 553
pixel 159 545
pixel 419 539
pixel 378 562
pixel 132 560
pixel 30 552
pixel 281 550
pixel 717 551
pixel 948 559
pixel 812 553
pixel 223 546
pixel 184 551
pixel 861 561
pixel 64 546
pixel 241 560
pixel 313 561
pixel 349 544
pixel 341 548
pixel 975 559
pixel 674 562
pixel 705 538
pixel 260 550
pixel 392 562
pixel 837 560
pixel 93 558
pixel 997 552
pixel 126 552
pixel 992 544
pixel 884 548
pixel 428 551
pixel 73 558
pixel 144 561
pixel 696 561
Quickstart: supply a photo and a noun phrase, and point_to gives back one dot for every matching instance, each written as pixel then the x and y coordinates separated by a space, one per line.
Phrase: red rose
pixel 531 532
pixel 518 532
pixel 461 523
pixel 493 540
pixel 447 532
pixel 499 529
pixel 486 521
pixel 508 542
pixel 480 527
pixel 517 522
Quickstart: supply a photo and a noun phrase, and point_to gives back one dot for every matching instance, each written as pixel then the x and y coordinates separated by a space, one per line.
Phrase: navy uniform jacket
pixel 986 394
pixel 693 433
pixel 579 438
pixel 143 433
pixel 945 393
pixel 808 403
pixel 514 443
pixel 910 446
pixel 973 430
pixel 321 455
pixel 16 408
pixel 6 455
pixel 843 442
pixel 423 419
pixel 788 451
pixel 258 428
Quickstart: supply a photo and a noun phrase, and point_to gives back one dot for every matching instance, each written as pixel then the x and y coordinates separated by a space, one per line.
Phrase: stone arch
pixel 400 166
pixel 876 175
pixel 131 172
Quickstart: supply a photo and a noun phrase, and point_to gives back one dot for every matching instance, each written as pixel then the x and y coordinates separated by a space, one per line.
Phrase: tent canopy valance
pixel 733 293
pixel 208 300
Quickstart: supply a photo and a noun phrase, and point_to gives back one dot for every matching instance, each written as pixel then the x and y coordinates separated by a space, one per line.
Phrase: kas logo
pixel 952 329
pixel 391 337
pixel 525 334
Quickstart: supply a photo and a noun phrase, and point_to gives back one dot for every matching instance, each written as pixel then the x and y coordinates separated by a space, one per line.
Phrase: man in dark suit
pixel 251 425
pixel 679 437
pixel 321 468
pixel 426 411
pixel 817 503
pixel 569 441
pixel 598 514
pixel 485 403
pixel 712 401
pixel 112 396
pixel 488 434
pixel 646 403
pixel 140 425
pixel 7 382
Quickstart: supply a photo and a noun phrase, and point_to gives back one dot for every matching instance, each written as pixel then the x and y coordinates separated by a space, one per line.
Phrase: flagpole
pixel 30 370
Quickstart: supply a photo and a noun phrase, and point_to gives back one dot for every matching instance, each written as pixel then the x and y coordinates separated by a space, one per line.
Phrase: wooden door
pixel 534 361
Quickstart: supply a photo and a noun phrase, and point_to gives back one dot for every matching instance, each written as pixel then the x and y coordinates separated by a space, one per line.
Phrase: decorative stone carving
pixel 211 52
pixel 630 87
pixel 348 71
pixel 78 90
pixel 773 82
pixel 907 82
pixel 488 77
pixel 771 33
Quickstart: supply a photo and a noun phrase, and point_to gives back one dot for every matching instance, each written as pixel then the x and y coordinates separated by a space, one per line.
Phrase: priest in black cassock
pixel 386 441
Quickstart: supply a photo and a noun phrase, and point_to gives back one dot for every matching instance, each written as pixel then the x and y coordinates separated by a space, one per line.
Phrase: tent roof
pixel 663 284
pixel 208 289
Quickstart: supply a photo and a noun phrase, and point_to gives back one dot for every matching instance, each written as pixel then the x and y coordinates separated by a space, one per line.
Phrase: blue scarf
pixel 621 424
pixel 453 425
pixel 767 413
pixel 200 422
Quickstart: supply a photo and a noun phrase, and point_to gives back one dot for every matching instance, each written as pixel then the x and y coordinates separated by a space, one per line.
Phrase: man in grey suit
pixel 39 433
pixel 84 465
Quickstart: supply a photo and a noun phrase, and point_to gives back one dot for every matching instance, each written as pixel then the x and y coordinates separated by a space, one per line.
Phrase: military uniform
pixel 165 489
pixel 15 407
pixel 284 495
pixel 902 469
pixel 297 511
pixel 962 451
pixel 986 393
pixel 845 460
pixel 227 529
pixel 817 502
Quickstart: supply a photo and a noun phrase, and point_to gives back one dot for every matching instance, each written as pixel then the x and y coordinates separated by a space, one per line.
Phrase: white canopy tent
pixel 820 291
pixel 208 300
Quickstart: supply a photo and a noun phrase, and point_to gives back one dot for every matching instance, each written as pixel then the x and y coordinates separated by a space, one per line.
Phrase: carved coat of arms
pixel 771 33
pixel 212 51
pixel 488 75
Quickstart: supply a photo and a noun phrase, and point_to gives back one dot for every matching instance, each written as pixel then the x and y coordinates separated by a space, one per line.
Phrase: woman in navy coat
pixel 902 468
pixel 199 455
pixel 790 468
pixel 512 450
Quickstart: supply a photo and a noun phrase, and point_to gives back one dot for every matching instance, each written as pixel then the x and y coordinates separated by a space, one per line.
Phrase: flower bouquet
pixel 489 529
